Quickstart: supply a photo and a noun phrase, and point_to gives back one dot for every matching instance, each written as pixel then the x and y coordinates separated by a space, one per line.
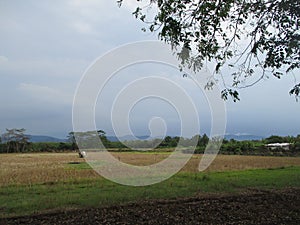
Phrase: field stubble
pixel 35 168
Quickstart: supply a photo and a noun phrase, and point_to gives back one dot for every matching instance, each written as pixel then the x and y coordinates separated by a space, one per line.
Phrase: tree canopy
pixel 249 39
pixel 16 139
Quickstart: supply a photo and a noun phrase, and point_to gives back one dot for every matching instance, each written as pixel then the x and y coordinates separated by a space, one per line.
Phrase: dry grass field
pixel 35 168
pixel 34 185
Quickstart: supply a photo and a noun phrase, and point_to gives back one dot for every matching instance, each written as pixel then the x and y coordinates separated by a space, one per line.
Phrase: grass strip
pixel 18 200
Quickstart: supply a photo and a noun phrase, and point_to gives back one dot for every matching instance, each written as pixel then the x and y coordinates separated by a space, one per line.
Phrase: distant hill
pixel 127 138
pixel 42 138
pixel 242 137
pixel 238 137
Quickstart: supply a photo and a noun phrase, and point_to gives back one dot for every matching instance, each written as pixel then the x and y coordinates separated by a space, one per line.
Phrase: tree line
pixel 16 141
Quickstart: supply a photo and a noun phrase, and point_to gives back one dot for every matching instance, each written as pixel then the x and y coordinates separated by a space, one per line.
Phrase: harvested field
pixel 61 188
pixel 53 167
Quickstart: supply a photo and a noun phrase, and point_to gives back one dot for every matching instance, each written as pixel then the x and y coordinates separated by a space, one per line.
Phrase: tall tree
pixel 103 138
pixel 16 139
pixel 71 139
pixel 251 38
pixel 203 141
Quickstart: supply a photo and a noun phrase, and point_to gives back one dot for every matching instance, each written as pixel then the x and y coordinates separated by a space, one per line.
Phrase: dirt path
pixel 253 207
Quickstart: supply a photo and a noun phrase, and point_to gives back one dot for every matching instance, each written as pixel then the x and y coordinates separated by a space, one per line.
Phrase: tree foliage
pixel 71 139
pixel 16 140
pixel 249 38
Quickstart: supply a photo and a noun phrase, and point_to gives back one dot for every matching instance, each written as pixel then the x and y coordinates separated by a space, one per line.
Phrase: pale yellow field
pixel 51 167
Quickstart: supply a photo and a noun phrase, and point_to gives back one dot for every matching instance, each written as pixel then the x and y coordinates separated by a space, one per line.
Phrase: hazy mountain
pixel 238 137
pixel 242 137
pixel 42 138
pixel 127 138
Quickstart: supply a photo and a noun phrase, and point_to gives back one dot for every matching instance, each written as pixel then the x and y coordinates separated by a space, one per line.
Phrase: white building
pixel 285 146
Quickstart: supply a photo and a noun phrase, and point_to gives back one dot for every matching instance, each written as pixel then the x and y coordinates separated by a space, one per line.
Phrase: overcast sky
pixel 46 46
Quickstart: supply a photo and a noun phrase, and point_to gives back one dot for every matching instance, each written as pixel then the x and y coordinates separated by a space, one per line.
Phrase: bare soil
pixel 250 207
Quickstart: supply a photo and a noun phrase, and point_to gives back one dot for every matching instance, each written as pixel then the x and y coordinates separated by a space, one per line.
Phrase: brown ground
pixel 253 207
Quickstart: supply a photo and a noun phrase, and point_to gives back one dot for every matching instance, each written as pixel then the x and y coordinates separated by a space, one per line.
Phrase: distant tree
pixel 101 133
pixel 196 139
pixel 296 146
pixel 166 142
pixel 204 140
pixel 174 141
pixel 16 139
pixel 275 139
pixel 71 139
pixel 246 36
pixel 103 138
pixel 246 146
pixel 65 146
pixel 88 139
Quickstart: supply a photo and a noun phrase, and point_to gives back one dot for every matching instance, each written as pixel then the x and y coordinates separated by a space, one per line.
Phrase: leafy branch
pixel 251 38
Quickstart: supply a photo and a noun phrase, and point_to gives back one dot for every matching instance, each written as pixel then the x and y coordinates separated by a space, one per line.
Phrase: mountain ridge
pixel 46 138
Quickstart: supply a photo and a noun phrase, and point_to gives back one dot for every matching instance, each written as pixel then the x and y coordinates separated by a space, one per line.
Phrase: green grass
pixel 78 166
pixel 24 200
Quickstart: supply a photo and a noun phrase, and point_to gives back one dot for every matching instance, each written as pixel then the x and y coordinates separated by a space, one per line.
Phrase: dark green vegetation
pixel 16 141
pixel 97 192
pixel 245 38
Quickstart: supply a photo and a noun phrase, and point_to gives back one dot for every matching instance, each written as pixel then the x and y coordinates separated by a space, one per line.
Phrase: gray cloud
pixel 45 47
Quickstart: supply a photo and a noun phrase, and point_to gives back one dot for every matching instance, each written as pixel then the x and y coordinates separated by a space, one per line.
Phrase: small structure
pixel 273 146
pixel 82 154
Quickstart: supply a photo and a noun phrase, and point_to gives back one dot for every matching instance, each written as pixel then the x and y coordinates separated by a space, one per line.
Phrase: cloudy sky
pixel 46 46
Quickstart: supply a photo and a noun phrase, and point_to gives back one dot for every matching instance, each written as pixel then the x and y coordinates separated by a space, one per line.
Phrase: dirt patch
pixel 251 207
